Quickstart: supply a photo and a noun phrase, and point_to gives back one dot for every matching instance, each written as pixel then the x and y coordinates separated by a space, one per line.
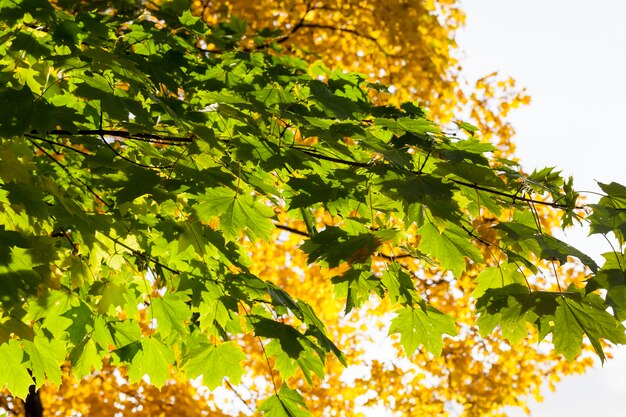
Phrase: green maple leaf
pixel 237 213
pixel 45 358
pixel 52 311
pixel 468 127
pixel 27 75
pixel 187 19
pixel 84 358
pixel 14 375
pixel 112 296
pixel 356 285
pixel 171 314
pixel 219 310
pixel 423 325
pixel 614 281
pixel 281 298
pixel 398 284
pixel 287 403
pixel 497 277
pixel 589 317
pixel 544 246
pixel 450 247
pixel 115 332
pixel 153 359
pixel 285 365
pixel 567 332
pixel 308 361
pixel 333 245
pixel 291 340
pixel 418 126
pixel 598 323
pixel 214 362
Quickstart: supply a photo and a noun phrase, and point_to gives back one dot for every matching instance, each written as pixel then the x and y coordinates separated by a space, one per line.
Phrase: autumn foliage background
pixel 409 45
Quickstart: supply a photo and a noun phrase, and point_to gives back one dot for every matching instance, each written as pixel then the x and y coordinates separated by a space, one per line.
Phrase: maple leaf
pixel 450 246
pixel 287 403
pixel 497 277
pixel 422 325
pixel 214 362
pixel 237 213
pixel 171 314
pixel 14 377
pixel 45 357
pixel 153 359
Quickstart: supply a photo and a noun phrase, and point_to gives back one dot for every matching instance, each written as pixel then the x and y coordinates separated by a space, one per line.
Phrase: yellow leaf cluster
pixel 108 394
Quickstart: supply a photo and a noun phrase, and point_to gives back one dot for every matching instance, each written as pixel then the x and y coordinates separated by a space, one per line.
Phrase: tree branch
pixel 378 254
pixel 354 32
pixel 291 230
pixel 125 158
pixel 513 197
pixel 151 137
pixel 142 255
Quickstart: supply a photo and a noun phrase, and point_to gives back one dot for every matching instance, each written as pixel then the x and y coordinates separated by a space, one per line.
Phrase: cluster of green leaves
pixel 135 163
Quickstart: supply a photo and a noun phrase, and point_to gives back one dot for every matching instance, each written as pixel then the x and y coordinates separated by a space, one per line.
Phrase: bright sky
pixel 571 57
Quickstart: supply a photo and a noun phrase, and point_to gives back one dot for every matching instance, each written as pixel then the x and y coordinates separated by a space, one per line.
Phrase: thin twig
pixel 67 171
pixel 142 255
pixel 51 142
pixel 230 386
pixel 127 159
pixel 514 197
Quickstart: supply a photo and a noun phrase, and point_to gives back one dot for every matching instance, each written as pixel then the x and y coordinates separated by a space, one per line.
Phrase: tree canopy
pixel 145 153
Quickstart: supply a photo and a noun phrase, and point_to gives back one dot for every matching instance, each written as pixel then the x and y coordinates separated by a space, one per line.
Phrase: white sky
pixel 571 57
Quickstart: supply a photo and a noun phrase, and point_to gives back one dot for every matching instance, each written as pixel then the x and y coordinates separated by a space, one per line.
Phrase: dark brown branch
pixel 296 27
pixel 419 171
pixel 394 257
pixel 380 255
pixel 338 29
pixel 230 386
pixel 32 405
pixel 121 134
pixel 337 160
pixel 291 229
pixel 513 197
pixel 354 32
pixel 479 238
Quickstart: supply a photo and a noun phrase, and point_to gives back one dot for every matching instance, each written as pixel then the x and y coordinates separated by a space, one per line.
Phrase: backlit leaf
pixel 14 376
pixel 153 359
pixel 422 325
pixel 215 362
pixel 287 403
